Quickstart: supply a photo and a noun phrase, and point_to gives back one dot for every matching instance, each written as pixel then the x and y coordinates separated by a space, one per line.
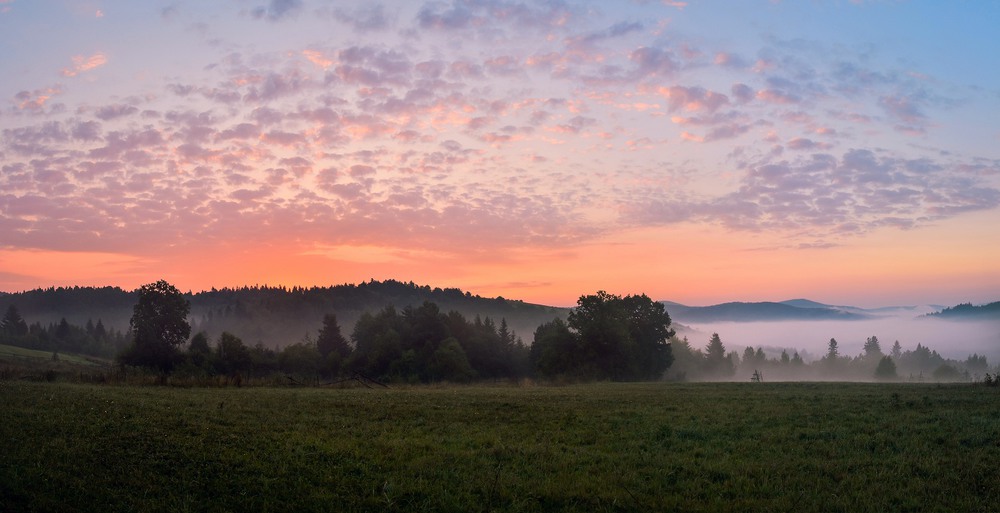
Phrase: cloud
pixel 654 62
pixel 169 12
pixel 34 101
pixel 831 196
pixel 486 14
pixel 777 97
pixel 240 131
pixel 372 67
pixel 692 99
pixel 277 10
pixel 455 129
pixel 272 86
pixel 365 18
pixel 804 144
pixel 109 112
pixel 903 109
pixel 729 60
pixel 87 131
pixel 316 57
pixel 586 42
pixel 727 131
pixel 743 93
pixel 82 64
pixel 440 16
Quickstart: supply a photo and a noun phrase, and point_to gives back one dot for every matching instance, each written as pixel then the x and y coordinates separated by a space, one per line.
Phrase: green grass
pixel 603 447
pixel 9 352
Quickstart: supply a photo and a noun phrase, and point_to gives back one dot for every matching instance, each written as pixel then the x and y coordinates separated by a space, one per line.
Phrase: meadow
pixel 33 355
pixel 598 447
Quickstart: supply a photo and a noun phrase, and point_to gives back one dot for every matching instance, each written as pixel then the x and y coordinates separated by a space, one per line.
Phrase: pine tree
pixel 330 339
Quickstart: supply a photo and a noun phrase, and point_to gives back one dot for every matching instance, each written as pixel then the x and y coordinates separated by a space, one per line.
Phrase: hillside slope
pixel 275 316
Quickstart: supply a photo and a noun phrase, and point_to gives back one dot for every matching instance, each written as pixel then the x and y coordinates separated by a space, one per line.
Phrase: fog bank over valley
pixel 951 338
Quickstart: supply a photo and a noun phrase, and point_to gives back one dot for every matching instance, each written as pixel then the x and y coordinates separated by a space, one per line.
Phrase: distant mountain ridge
pixel 969 311
pixel 790 310
pixel 808 310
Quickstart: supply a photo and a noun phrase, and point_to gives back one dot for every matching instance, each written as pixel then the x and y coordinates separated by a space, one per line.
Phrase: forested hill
pixel 276 316
pixel 798 309
pixel 970 311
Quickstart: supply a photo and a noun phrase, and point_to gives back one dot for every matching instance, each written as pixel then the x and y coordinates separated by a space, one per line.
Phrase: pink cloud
pixel 35 100
pixel 692 99
pixel 504 66
pixel 776 96
pixel 316 57
pixel 241 131
pixel 82 64
pixel 728 60
pixel 688 136
pixel 283 138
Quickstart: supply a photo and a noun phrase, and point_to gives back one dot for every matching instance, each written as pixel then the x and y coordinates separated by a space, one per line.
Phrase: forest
pixel 605 337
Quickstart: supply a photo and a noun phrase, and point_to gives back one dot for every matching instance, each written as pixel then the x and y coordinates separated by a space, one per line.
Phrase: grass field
pixel 14 352
pixel 603 447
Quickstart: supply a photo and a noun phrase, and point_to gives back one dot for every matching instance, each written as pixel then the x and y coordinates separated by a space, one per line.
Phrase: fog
pixel 950 338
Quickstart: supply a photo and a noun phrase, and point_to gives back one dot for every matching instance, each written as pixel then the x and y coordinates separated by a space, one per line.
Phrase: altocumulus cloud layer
pixel 466 126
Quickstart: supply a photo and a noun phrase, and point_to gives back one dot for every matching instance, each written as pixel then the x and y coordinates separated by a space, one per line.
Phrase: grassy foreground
pixel 605 447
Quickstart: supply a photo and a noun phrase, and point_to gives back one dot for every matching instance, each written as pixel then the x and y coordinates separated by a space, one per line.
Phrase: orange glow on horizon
pixel 691 264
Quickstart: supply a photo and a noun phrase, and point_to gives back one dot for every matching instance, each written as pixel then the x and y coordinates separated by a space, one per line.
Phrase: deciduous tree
pixel 159 325
pixel 607 337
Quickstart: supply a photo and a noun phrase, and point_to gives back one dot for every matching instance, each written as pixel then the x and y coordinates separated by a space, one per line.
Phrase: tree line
pixel 272 315
pixel 416 344
pixel 605 337
pixel 715 362
pixel 91 339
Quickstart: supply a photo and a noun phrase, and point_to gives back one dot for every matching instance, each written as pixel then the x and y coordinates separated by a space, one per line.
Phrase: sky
pixel 695 151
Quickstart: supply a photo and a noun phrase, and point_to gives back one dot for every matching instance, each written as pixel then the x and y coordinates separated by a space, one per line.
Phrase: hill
pixel 275 316
pixel 969 311
pixel 792 310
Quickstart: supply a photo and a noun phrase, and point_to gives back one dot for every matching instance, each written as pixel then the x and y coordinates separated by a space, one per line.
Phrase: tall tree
pixel 554 350
pixel 199 352
pixel 897 350
pixel 603 340
pixel 618 338
pixel 13 325
pixel 232 356
pixel 377 342
pixel 716 362
pixel 872 348
pixel 649 329
pixel 159 325
pixel 330 339
pixel 832 353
